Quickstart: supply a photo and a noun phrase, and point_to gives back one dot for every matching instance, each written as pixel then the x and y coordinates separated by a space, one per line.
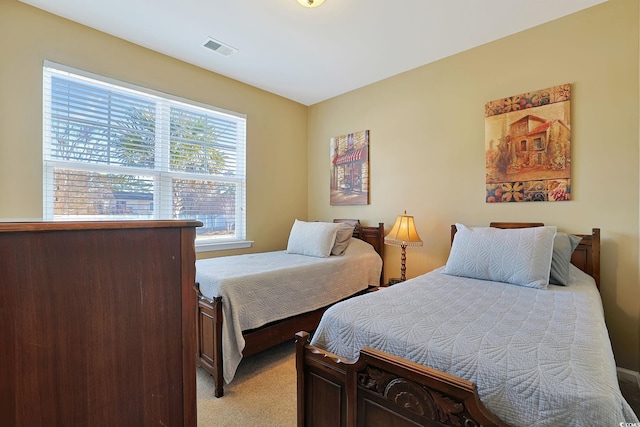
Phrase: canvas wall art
pixel 528 147
pixel 350 169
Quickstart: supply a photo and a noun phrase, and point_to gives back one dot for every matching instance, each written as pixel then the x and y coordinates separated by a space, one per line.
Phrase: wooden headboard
pixel 586 256
pixel 372 235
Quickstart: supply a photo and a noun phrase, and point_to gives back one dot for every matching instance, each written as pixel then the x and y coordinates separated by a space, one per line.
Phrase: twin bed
pixel 251 302
pixel 484 340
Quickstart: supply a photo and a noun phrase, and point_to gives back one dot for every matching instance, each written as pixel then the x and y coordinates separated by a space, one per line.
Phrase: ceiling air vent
pixel 219 47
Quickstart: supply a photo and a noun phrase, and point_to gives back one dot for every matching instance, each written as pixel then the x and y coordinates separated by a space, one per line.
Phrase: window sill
pixel 223 246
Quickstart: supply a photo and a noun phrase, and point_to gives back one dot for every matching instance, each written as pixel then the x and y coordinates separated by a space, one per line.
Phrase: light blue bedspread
pixel 260 288
pixel 538 357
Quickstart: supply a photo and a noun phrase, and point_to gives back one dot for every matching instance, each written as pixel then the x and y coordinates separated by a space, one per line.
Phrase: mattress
pixel 538 357
pixel 257 289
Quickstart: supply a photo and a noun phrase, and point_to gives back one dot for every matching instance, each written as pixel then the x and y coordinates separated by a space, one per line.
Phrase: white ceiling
pixel 309 55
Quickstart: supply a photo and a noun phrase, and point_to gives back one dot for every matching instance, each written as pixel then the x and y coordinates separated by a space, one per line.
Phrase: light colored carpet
pixel 263 392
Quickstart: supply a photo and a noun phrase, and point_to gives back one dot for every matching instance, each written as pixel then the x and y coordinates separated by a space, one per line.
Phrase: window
pixel 114 151
pixel 538 145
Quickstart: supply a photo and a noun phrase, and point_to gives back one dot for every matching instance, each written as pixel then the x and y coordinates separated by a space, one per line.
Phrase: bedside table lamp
pixel 403 234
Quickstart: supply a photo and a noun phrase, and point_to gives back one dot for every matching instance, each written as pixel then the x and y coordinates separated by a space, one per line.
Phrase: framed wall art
pixel 528 147
pixel 349 169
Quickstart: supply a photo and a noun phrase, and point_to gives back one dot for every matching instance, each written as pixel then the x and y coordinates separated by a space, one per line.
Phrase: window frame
pixel 161 173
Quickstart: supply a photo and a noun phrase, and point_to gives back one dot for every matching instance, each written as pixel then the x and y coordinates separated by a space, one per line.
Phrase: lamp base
pixel 394 280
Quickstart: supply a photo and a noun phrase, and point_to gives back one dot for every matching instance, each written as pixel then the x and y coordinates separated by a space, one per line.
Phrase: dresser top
pixel 14 226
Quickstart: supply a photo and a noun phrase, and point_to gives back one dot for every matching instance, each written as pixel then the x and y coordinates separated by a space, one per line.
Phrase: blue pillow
pixel 563 246
pixel 520 256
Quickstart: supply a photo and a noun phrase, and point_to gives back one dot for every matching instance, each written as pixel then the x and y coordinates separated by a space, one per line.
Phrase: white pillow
pixel 343 238
pixel 521 256
pixel 312 238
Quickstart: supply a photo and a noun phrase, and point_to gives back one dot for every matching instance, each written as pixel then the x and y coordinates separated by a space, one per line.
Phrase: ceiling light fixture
pixel 310 3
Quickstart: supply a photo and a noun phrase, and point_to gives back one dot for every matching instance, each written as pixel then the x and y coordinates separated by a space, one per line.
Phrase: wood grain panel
pixel 95 329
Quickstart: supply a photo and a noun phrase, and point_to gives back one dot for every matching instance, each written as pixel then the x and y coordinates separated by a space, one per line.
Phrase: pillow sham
pixel 563 246
pixel 343 237
pixel 312 238
pixel 520 256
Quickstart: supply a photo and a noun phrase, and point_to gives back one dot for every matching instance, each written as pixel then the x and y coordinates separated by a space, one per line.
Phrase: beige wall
pixel 427 129
pixel 276 127
pixel 427 147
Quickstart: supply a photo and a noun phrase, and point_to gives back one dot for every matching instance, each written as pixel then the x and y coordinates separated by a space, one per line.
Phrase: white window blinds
pixel 115 151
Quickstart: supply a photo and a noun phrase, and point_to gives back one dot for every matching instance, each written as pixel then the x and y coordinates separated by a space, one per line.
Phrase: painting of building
pixel 528 147
pixel 350 169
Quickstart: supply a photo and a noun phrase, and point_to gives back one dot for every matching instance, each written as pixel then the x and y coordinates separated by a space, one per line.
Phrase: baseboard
pixel 629 375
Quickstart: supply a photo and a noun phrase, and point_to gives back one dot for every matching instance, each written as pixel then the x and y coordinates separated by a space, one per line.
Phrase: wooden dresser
pixel 97 324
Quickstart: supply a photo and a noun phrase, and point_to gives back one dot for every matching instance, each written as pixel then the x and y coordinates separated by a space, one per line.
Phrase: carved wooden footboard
pixel 381 390
pixel 209 338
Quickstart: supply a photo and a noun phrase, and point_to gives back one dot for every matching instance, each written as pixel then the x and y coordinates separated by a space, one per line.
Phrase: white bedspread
pixel 257 289
pixel 538 357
